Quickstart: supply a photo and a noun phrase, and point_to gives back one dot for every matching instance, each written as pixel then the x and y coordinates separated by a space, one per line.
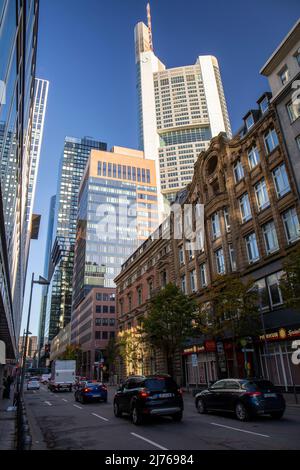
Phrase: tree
pixel 290 281
pixel 231 310
pixel 73 352
pixel 111 353
pixel 169 322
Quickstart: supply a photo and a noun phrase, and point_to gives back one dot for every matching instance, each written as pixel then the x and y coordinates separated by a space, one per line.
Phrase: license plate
pixel 270 395
pixel 165 395
pixel 95 396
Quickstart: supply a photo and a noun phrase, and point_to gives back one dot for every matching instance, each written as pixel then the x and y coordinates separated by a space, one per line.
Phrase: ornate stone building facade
pixel 251 222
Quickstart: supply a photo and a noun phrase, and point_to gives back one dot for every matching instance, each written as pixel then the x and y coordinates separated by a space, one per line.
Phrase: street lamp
pixel 43 282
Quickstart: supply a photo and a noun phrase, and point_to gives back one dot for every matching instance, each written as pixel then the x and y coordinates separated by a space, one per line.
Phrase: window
pixel 98 296
pixel 270 237
pixel 98 309
pixel 281 181
pixel 193 280
pixel 284 75
pixel 273 283
pixel 232 258
pixel 121 307
pixel 215 225
pixel 98 321
pixel 253 157
pixel 220 261
pixel 139 292
pixel 252 248
pixel 112 309
pixel 261 193
pixel 105 322
pixel 129 302
pixel 264 104
pixel 262 292
pixel 271 140
pixel 249 121
pixel 97 334
pixel 150 288
pixel 245 208
pixel 293 109
pixel 181 255
pixel 226 219
pixel 183 284
pixel 105 308
pixel 104 334
pixel 238 171
pixel 297 56
pixel 112 322
pixel 291 225
pixel 164 278
pixel 203 277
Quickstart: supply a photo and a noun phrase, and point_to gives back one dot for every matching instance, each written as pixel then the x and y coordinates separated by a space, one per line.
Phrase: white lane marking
pixel 240 430
pixel 63 399
pixel 48 403
pixel 149 442
pixel 77 406
pixel 101 417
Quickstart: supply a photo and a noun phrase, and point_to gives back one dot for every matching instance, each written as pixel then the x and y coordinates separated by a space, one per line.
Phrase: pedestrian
pixel 6 388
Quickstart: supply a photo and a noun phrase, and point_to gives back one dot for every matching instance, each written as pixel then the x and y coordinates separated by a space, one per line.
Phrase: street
pixel 59 423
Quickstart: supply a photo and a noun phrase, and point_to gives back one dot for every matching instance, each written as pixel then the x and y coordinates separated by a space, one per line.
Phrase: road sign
pixel 194 360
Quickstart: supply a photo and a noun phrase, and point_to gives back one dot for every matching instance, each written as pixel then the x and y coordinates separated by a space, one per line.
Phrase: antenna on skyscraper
pixel 149 26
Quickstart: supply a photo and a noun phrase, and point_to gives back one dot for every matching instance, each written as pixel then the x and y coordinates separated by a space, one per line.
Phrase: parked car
pixel 153 395
pixel 33 384
pixel 91 391
pixel 244 398
pixel 45 378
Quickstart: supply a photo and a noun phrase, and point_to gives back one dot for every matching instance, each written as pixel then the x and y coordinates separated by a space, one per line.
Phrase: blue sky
pixel 86 51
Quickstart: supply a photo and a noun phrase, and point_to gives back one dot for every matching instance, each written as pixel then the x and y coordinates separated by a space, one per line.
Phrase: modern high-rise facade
pixel 72 165
pixel 180 110
pixel 18 45
pixel 117 212
pixel 47 273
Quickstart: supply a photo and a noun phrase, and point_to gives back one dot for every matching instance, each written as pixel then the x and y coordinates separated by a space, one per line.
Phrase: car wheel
pixel 76 397
pixel 277 414
pixel 177 417
pixel 117 411
pixel 201 407
pixel 136 416
pixel 81 399
pixel 241 412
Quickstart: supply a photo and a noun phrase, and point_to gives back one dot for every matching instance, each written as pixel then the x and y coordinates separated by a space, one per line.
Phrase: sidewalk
pixel 7 424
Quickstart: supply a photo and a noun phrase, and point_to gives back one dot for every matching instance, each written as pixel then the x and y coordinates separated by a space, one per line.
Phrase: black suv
pixel 243 397
pixel 153 395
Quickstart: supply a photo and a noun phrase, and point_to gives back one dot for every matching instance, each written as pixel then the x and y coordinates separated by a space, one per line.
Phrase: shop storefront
pixel 276 351
pixel 200 365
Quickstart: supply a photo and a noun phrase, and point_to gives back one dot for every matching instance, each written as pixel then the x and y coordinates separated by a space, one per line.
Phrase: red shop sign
pixel 210 346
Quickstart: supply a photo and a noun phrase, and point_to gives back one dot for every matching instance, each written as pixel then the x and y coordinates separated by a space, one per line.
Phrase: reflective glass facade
pixel 72 165
pixel 18 43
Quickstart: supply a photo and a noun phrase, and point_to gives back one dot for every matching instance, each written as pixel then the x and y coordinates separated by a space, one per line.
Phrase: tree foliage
pixel 290 281
pixel 169 321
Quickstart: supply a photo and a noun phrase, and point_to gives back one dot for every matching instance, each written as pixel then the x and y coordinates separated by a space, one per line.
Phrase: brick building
pixel 251 222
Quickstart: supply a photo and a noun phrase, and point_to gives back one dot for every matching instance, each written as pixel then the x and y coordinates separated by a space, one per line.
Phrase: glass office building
pixel 18 44
pixel 72 165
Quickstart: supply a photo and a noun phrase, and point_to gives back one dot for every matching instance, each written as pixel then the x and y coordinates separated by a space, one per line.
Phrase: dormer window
pixel 284 75
pixel 264 105
pixel 249 121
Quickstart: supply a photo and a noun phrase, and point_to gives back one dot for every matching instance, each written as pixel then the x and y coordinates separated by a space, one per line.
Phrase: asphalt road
pixel 58 422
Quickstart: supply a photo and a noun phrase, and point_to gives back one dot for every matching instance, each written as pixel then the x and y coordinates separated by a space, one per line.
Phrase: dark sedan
pixel 155 395
pixel 244 398
pixel 91 391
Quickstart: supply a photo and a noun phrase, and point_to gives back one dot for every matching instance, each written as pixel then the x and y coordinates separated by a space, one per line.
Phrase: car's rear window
pixel 259 385
pixel 160 383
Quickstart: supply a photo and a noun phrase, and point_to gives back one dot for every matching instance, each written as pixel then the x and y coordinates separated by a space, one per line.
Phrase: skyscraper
pixel 117 212
pixel 47 273
pixel 180 110
pixel 73 162
pixel 18 26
